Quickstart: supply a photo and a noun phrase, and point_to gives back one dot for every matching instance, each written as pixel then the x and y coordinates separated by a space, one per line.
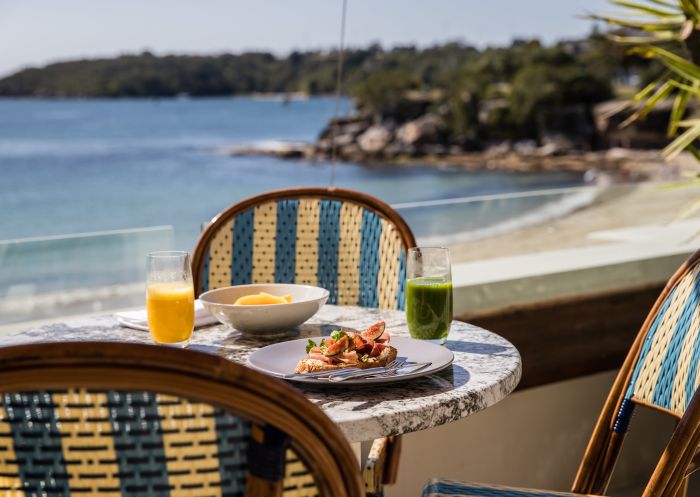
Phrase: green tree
pixel 382 93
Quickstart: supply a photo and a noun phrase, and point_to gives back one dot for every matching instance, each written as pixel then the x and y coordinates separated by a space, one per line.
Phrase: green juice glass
pixel 429 293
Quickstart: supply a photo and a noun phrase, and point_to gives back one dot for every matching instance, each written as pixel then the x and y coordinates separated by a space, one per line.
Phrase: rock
pixel 374 140
pixel 424 130
pixel 396 149
pixel 311 152
pixel 323 145
pixel 554 145
pixel 344 139
pixel 283 150
pixel 351 125
pixel 351 153
pixel 618 153
pixel 499 150
pixel 525 147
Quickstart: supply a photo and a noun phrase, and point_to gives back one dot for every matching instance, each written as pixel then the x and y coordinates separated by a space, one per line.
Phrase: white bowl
pixel 264 319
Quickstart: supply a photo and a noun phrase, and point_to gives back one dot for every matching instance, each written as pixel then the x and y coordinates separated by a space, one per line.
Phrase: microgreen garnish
pixel 338 334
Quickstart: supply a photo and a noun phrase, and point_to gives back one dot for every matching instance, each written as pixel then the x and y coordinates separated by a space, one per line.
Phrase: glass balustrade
pixel 48 277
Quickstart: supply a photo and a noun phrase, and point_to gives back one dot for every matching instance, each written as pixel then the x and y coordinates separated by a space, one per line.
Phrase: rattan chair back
pixel 347 242
pixel 662 372
pixel 115 419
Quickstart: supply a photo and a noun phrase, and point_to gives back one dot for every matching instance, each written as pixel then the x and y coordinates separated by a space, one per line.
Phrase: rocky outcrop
pixel 572 138
pixel 426 130
pixel 374 139
pixel 359 138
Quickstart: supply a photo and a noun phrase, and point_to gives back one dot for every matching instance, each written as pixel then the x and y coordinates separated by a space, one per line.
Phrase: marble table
pixel 486 369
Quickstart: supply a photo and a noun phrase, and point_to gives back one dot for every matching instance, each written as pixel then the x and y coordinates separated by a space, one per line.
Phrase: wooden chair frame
pixel 680 457
pixel 195 376
pixel 331 193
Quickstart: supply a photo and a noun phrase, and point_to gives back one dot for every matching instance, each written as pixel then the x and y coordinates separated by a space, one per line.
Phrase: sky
pixel 36 32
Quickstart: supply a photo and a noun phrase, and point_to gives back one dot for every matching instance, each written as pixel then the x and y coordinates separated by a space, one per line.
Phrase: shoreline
pixel 616 165
pixel 618 214
pixel 613 217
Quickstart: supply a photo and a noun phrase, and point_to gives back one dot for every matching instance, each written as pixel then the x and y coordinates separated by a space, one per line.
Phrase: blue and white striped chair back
pixel 348 243
pixel 666 373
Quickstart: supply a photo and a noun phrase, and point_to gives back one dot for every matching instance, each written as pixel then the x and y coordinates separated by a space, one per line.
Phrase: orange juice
pixel 170 309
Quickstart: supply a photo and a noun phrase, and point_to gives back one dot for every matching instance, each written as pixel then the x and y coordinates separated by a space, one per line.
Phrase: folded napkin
pixel 139 320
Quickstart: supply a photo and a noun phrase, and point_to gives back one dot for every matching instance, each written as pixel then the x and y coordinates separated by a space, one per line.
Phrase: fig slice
pixel 377 349
pixel 374 331
pixel 385 338
pixel 351 343
pixel 338 347
pixel 357 342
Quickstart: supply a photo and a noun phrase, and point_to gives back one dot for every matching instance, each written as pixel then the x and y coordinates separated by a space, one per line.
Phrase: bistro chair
pixel 350 243
pixel 661 372
pixel 116 419
pixel 347 242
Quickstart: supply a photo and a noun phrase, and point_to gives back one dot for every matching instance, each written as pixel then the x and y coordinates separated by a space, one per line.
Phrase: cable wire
pixel 338 90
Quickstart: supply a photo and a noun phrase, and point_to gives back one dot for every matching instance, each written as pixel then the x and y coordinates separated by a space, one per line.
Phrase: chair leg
pixel 393 455
pixel 683 489
pixel 374 467
pixel 382 465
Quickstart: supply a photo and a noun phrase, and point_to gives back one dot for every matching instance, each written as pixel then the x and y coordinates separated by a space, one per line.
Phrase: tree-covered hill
pixel 146 75
pixel 440 67
pixel 479 95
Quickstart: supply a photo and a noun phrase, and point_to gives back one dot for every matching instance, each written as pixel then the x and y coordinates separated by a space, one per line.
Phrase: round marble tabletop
pixel 486 369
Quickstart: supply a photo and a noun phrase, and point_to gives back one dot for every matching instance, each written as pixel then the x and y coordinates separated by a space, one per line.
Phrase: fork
pixel 416 366
pixel 389 368
pixel 392 366
pixel 321 374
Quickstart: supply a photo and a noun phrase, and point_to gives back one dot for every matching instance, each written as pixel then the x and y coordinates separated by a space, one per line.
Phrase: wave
pixel 70 302
pixel 98 147
pixel 539 215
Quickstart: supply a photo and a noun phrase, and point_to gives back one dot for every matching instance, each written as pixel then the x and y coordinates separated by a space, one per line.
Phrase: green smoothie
pixel 429 308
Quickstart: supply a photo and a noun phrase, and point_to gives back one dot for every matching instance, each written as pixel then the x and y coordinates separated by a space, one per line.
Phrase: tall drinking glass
pixel 170 297
pixel 429 293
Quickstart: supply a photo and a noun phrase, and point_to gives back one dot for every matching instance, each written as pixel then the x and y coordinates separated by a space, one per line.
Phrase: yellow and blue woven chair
pixel 661 372
pixel 347 242
pixel 115 419
pixel 350 243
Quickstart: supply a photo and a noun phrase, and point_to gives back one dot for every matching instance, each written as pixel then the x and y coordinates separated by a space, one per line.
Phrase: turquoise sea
pixel 74 166
pixel 81 166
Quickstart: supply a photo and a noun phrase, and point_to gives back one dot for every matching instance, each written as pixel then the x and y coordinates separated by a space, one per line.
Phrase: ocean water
pixel 74 166
pixel 80 166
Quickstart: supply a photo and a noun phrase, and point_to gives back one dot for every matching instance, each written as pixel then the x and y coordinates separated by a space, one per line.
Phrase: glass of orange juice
pixel 170 297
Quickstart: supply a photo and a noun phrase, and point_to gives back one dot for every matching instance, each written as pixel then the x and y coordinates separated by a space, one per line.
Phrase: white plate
pixel 281 358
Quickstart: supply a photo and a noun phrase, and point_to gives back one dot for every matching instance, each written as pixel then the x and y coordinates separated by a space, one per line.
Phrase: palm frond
pixel 671 23
pixel 680 104
pixel 657 37
pixel 665 3
pixel 682 142
pixel 676 63
pixel 690 9
pixel 645 8
pixel 660 93
pixel 693 90
pixel 695 153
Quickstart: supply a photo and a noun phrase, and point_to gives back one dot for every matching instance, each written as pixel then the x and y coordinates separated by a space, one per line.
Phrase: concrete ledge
pixel 496 283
